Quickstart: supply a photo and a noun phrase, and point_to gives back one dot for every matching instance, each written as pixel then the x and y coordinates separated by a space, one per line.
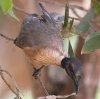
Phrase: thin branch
pixel 36 74
pixel 56 97
pixel 43 87
pixel 52 2
pixel 84 20
pixel 66 96
pixel 7 38
pixel 78 7
pixel 3 78
pixel 75 12
pixel 22 10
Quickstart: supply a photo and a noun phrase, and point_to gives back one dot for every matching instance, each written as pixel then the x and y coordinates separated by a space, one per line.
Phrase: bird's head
pixel 72 67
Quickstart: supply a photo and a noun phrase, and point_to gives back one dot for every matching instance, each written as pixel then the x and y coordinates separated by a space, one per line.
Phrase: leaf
pixel 7 8
pixel 70 50
pixel 73 40
pixel 65 44
pixel 66 17
pixel 6 5
pixel 11 13
pixel 96 6
pixel 84 25
pixel 97 96
pixel 70 34
pixel 64 29
pixel 71 23
pixel 92 43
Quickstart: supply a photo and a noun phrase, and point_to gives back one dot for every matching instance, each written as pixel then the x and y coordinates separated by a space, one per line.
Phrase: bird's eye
pixel 71 66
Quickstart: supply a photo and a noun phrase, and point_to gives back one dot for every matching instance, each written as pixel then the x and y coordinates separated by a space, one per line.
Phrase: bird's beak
pixel 72 67
pixel 76 83
pixel 74 77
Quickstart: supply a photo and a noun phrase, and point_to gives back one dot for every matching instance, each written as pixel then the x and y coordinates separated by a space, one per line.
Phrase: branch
pixel 7 38
pixel 84 20
pixel 9 86
pixel 43 87
pixel 78 7
pixel 52 2
pixel 75 12
pixel 56 97
pixel 22 10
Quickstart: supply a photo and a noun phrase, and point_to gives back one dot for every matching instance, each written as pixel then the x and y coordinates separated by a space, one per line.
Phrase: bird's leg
pixel 36 74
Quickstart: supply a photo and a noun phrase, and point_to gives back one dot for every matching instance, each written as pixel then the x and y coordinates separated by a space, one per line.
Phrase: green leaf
pixel 6 5
pixel 64 29
pixel 97 96
pixel 84 25
pixel 70 50
pixel 92 43
pixel 70 34
pixel 7 8
pixel 71 23
pixel 65 44
pixel 73 40
pixel 96 6
pixel 11 13
pixel 66 17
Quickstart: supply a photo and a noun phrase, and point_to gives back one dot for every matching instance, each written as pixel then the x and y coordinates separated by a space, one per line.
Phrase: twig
pixel 36 74
pixel 22 10
pixel 75 12
pixel 56 97
pixel 52 2
pixel 3 78
pixel 42 84
pixel 7 38
pixel 66 96
pixel 78 7
pixel 84 20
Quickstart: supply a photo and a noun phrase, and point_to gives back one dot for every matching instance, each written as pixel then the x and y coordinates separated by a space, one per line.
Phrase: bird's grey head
pixel 72 67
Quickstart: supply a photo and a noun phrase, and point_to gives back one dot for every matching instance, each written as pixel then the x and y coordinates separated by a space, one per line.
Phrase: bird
pixel 41 40
pixel 72 66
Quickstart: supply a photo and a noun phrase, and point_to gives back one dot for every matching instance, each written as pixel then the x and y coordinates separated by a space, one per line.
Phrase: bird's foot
pixel 37 72
pixel 36 75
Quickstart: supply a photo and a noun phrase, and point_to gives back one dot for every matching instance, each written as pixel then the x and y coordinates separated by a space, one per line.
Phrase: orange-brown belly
pixel 43 56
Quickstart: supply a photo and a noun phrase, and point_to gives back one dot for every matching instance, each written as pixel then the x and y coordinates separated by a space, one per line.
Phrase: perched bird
pixel 41 40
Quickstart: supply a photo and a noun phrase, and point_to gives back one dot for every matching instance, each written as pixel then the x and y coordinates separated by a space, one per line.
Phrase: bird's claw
pixel 37 72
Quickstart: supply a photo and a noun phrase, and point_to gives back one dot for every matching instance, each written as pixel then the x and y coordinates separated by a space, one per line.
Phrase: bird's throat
pixel 44 55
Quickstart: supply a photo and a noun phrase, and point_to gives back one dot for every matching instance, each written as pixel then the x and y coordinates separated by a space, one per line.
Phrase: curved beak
pixel 74 77
pixel 72 67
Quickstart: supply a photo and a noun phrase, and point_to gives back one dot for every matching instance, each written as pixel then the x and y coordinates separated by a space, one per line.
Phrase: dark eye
pixel 71 66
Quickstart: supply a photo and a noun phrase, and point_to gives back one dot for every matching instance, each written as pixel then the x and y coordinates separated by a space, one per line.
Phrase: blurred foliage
pixel 98 92
pixel 96 6
pixel 84 24
pixel 66 17
pixel 92 42
pixel 73 40
pixel 7 8
pixel 66 32
pixel 70 50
